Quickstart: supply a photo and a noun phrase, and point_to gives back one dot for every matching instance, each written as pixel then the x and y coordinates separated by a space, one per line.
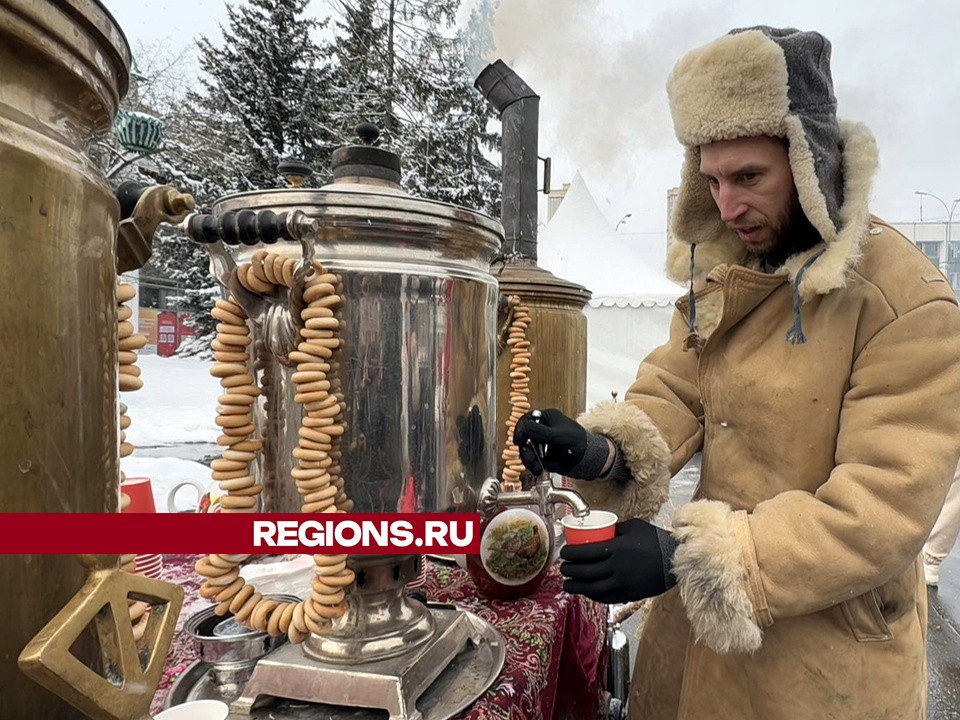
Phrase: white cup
pixel 196 710
pixel 172 496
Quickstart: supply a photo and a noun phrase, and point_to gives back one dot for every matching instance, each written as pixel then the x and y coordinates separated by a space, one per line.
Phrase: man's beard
pixel 795 235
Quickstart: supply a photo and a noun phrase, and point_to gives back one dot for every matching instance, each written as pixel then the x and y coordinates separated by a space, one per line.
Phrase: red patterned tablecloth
pixel 556 644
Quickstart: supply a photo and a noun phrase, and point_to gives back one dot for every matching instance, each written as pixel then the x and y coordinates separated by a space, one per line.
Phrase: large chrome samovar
pixel 416 372
pixel 418 353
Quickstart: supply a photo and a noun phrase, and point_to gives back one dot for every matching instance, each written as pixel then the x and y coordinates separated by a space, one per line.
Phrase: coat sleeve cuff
pixel 646 454
pixel 715 565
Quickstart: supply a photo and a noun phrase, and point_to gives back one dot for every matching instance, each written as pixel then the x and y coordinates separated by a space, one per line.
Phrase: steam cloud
pixel 603 95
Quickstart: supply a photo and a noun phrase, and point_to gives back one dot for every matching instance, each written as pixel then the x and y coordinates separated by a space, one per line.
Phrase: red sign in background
pixel 172 330
pixel 168 334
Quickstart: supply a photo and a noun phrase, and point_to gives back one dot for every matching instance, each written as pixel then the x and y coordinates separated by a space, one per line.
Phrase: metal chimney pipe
pixel 519 108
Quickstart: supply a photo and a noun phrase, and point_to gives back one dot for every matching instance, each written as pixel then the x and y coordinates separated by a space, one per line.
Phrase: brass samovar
pixel 558 328
pixel 65 67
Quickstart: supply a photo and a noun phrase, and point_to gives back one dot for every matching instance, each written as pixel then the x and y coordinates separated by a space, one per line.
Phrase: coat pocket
pixel 865 618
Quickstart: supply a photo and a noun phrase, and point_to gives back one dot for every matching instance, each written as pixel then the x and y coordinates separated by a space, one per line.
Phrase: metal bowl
pixel 231 657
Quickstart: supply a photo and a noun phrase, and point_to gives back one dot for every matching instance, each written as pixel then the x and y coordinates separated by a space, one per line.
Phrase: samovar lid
pixel 366 192
pixel 294 171
pixel 365 159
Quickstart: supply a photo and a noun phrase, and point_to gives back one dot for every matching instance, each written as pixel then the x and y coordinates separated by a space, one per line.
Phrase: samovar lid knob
pixel 294 171
pixel 364 161
pixel 368 133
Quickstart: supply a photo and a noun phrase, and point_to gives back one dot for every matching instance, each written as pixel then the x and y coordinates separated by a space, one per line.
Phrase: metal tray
pixel 461 683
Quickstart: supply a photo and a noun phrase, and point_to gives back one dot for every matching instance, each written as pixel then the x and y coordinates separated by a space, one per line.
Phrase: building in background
pixel 554 199
pixel 158 316
pixel 940 242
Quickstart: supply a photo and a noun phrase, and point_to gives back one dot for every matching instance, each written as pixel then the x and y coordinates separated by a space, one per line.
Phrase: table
pixel 556 644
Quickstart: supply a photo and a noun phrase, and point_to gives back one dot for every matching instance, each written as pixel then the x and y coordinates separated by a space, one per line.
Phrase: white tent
pixel 633 300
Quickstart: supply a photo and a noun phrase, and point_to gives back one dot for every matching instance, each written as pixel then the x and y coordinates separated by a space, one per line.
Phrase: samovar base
pixel 434 682
pixel 381 621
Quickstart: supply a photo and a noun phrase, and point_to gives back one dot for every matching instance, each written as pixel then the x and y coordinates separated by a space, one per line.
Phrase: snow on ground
pixel 176 406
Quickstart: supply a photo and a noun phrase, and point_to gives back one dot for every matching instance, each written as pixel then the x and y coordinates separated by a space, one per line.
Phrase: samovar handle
pixel 142 209
pixel 250 227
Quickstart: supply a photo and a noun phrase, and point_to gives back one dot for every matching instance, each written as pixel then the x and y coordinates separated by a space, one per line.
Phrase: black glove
pixel 566 446
pixel 633 566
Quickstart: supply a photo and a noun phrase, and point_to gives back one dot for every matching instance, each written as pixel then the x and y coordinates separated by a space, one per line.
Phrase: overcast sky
pixel 600 68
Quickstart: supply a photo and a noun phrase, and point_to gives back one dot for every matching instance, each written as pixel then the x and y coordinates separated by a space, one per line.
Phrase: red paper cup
pixel 140 493
pixel 595 527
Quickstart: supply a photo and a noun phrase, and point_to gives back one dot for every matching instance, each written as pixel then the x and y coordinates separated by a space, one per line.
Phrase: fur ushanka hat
pixel 776 82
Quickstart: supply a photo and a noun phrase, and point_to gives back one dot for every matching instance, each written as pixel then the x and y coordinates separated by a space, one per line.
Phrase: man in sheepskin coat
pixel 815 364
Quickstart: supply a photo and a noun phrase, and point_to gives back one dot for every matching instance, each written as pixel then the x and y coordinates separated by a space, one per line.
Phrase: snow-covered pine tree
pixel 262 97
pixel 269 76
pixel 478 41
pixel 451 149
pixel 358 75
pixel 184 159
pixel 410 61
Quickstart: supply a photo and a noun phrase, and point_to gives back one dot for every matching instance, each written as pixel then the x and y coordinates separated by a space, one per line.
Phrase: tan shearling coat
pixel 800 595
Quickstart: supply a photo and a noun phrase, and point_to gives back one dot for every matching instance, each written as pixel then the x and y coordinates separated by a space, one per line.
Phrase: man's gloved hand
pixel 567 447
pixel 633 566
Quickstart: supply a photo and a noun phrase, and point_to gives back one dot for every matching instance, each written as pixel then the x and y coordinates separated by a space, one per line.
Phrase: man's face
pixel 752 185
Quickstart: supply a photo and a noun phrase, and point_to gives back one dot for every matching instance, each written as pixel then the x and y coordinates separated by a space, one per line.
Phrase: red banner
pixel 239 533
